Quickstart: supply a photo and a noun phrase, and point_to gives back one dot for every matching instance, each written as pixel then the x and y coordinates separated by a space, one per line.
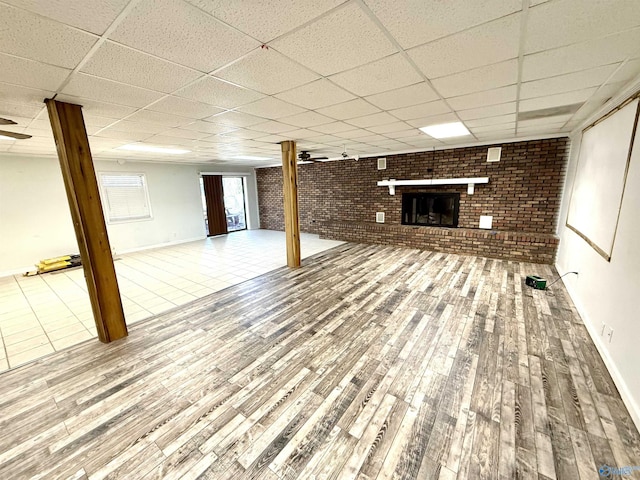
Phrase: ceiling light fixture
pixel 446 130
pixel 138 147
pixel 4 137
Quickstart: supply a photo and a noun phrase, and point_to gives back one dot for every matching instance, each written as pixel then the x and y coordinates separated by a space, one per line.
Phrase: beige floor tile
pixel 23 335
pixel 70 340
pixel 29 344
pixel 66 331
pixel 29 355
pixel 8 330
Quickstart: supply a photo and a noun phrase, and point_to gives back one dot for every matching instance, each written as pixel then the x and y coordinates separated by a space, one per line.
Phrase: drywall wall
pixel 607 292
pixel 34 215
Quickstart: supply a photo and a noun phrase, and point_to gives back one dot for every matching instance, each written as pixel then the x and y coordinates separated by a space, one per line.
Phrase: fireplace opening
pixel 432 209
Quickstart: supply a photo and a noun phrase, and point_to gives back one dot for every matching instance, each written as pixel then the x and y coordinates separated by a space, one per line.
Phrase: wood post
pixel 81 186
pixel 290 190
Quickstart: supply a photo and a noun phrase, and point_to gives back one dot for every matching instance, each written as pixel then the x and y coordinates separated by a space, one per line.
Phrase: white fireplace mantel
pixel 470 182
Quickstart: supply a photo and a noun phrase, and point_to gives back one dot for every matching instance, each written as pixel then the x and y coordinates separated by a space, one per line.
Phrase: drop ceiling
pixel 228 80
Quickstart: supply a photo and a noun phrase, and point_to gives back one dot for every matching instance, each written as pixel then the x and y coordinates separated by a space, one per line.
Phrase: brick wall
pixel 339 199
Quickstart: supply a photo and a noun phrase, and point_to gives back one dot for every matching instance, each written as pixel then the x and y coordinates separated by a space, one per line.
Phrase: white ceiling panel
pixel 120 135
pixel 95 88
pixel 185 108
pixel 271 108
pixel 403 97
pixel 301 134
pixel 565 83
pixel 422 110
pixel 483 45
pixel 481 122
pixel 258 19
pixel 381 118
pixel 182 33
pixel 493 128
pixel 478 79
pixel 563 22
pixel 537 122
pixel 244 134
pixel 16 94
pixel 420 21
pixel 185 133
pixel 568 98
pixel 315 95
pixel 433 120
pixel 207 127
pixel 490 111
pixel 483 99
pixel 10 110
pixel 581 56
pixel 334 127
pixel 392 128
pixel 355 133
pixel 385 74
pixel 138 127
pixel 95 111
pixel 351 109
pixel 123 64
pixel 216 92
pixel 306 119
pixel 628 71
pixel 236 119
pixel 27 73
pixel 90 15
pixel 38 38
pixel 267 71
pixel 148 116
pixel 272 126
pixel 344 39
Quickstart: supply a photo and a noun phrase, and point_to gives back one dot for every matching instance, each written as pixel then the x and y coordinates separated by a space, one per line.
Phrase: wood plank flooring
pixel 368 363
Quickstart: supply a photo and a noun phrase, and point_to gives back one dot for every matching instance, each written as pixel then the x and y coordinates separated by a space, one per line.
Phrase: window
pixel 433 209
pixel 125 197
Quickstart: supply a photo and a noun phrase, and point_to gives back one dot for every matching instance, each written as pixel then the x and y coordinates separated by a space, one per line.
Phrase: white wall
pixel 607 292
pixel 34 214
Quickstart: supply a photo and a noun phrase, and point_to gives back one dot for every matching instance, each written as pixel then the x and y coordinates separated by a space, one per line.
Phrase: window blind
pixel 125 197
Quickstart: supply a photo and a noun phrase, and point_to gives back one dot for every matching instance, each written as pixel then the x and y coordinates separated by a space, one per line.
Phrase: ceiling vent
pixel 550 112
pixel 493 154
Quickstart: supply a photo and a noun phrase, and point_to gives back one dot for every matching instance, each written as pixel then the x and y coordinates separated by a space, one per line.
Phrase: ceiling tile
pixel 537 122
pixel 216 92
pixel 564 22
pixel 391 128
pixel 480 122
pixel 184 133
pixel 581 56
pixel 420 21
pixel 9 110
pixel 272 127
pixel 490 111
pixel 28 73
pixel 120 135
pixel 343 39
pixel 245 134
pixel 38 38
pixel 184 108
pixel 267 71
pixel 148 116
pixel 16 94
pixel 403 97
pixel 137 127
pixel 166 141
pixel 351 134
pixel 478 79
pixel 301 134
pixel 271 108
pixel 493 128
pixel 381 118
pixel 306 119
pixel 385 74
pixel 182 33
pixel 207 127
pixel 565 83
pixel 628 71
pixel 550 101
pixel 333 127
pixel 483 99
pixel 236 119
pixel 315 95
pixel 126 65
pixel 98 112
pixel 91 15
pixel 351 109
pixel 257 18
pixel 486 44
pixel 422 110
pixel 95 88
pixel 433 120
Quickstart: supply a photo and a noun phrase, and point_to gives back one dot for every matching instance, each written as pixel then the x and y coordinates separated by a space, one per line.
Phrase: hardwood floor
pixel 368 363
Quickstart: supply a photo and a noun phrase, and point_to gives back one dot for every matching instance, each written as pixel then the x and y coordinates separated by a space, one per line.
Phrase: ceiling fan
pixel 4 133
pixel 305 156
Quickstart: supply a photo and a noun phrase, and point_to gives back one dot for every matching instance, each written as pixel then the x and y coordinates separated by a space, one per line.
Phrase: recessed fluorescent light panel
pixel 4 137
pixel 446 130
pixel 250 157
pixel 138 147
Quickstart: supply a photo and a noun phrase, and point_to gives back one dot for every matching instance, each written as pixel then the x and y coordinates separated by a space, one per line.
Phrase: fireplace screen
pixel 433 209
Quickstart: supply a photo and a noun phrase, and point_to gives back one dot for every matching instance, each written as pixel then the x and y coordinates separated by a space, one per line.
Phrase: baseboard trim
pixel 618 379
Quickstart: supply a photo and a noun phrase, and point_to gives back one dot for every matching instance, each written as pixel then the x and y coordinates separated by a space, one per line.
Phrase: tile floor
pixel 45 313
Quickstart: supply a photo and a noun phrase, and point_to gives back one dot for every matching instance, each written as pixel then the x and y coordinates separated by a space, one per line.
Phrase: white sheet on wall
pixel 599 182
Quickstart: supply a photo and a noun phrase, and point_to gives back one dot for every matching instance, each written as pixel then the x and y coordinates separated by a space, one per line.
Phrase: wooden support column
pixel 80 183
pixel 290 190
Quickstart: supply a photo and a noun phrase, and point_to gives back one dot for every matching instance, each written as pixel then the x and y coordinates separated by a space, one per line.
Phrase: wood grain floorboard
pixel 370 362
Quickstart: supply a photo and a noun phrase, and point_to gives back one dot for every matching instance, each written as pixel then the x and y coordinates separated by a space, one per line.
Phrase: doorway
pixel 223 203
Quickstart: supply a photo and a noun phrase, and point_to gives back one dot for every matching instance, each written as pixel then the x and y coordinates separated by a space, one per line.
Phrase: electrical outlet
pixel 610 333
